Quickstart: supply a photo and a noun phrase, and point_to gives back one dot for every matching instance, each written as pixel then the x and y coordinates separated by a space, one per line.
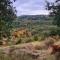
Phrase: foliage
pixel 55 32
pixel 54 11
pixel 29 40
pixel 35 38
pixel 19 41
pixel 7 15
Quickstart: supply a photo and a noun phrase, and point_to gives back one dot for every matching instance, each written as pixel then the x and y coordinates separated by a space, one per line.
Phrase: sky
pixel 31 7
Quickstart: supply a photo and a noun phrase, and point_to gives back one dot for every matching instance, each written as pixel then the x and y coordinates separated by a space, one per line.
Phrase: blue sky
pixel 31 7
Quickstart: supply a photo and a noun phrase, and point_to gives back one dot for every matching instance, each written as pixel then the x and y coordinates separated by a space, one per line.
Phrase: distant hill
pixel 33 17
pixel 34 23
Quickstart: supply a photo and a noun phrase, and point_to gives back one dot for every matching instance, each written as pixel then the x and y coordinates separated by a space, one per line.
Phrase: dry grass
pixel 29 51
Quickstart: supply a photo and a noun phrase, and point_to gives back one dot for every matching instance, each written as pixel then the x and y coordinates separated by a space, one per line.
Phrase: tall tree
pixel 54 11
pixel 7 15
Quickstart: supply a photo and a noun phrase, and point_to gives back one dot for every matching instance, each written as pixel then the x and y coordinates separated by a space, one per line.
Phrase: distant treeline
pixel 33 17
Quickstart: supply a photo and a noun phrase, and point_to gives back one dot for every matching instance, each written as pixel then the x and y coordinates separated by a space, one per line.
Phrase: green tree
pixel 54 8
pixel 7 15
pixel 54 11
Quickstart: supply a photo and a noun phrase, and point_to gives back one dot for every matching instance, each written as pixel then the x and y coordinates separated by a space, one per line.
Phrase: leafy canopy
pixel 54 9
pixel 7 15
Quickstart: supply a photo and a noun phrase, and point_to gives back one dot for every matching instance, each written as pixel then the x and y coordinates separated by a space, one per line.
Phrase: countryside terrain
pixel 31 39
pixel 26 35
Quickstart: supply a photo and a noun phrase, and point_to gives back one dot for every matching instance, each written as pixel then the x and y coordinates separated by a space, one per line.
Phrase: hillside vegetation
pixel 26 29
pixel 31 39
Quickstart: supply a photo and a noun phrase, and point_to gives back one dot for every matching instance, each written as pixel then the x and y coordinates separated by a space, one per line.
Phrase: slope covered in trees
pixel 33 17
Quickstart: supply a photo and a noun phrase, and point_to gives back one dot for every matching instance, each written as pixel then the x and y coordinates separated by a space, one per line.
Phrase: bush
pixel 1 43
pixel 29 40
pixel 19 41
pixel 35 38
pixel 55 32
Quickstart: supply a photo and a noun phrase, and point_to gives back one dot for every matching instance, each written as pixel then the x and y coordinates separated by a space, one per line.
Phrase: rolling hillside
pixel 35 23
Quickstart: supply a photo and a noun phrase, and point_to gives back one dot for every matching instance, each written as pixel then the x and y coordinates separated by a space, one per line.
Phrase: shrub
pixel 19 41
pixel 35 38
pixel 1 43
pixel 54 32
pixel 29 40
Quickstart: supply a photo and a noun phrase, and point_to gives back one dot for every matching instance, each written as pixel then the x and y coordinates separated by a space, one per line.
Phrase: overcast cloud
pixel 31 7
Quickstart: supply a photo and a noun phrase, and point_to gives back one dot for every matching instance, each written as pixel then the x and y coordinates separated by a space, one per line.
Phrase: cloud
pixel 33 12
pixel 30 7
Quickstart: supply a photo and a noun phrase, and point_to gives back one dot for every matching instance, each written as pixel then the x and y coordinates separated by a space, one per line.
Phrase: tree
pixel 7 15
pixel 54 11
